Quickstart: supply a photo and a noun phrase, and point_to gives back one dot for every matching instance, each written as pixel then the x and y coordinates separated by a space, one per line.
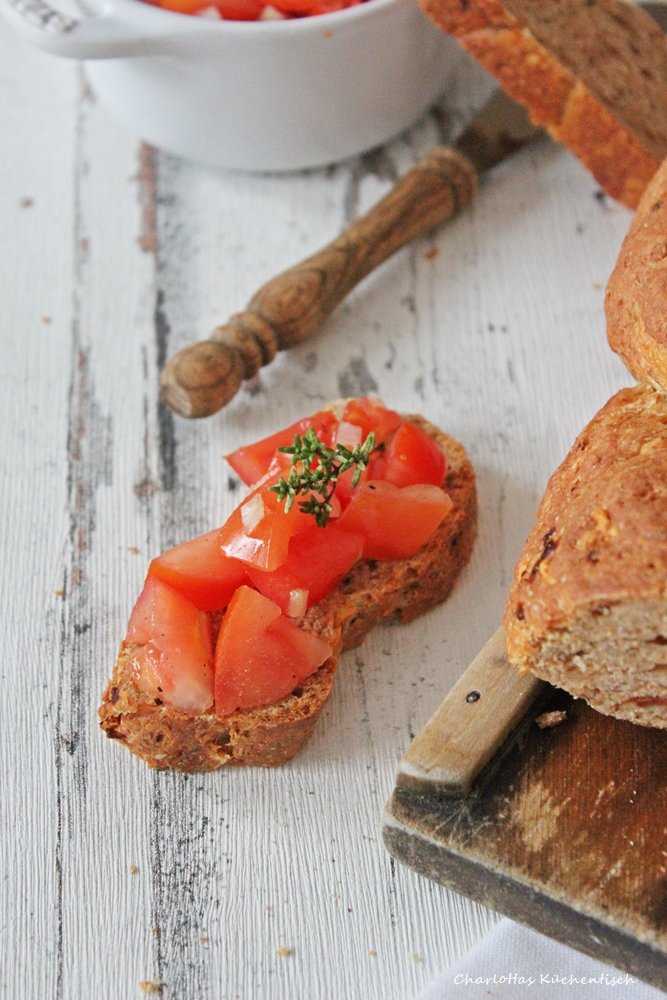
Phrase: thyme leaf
pixel 315 470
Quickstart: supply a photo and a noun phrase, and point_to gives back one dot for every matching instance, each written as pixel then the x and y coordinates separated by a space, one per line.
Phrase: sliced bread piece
pixel 372 592
pixel 588 607
pixel 592 72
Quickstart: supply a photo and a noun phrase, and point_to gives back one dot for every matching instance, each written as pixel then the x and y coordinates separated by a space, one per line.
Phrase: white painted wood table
pixel 246 883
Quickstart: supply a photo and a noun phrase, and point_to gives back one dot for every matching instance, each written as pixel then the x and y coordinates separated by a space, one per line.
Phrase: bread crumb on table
pixel 133 869
pixel 284 952
pixel 150 986
pixel 550 719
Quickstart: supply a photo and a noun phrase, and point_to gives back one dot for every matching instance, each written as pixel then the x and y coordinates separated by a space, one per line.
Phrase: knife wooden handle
pixel 202 378
pixel 479 713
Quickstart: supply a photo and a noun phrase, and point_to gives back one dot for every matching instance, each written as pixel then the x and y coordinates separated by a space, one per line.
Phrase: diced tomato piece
pixel 316 561
pixel 238 10
pixel 344 487
pixel 309 7
pixel 371 416
pixel 181 6
pixel 394 520
pixel 261 656
pixel 262 544
pixel 253 460
pixel 200 571
pixel 411 457
pixel 175 661
pixel 230 10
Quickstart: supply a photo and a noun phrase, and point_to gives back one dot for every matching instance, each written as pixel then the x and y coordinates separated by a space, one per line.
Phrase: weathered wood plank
pixel 35 330
pixel 134 254
pixel 566 834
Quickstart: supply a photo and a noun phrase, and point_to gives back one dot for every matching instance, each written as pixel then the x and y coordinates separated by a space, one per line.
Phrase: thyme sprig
pixel 315 471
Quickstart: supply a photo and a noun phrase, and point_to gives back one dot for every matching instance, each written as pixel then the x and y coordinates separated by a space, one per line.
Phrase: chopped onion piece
pixel 252 513
pixel 335 506
pixel 297 603
pixel 270 13
pixel 210 13
pixel 349 434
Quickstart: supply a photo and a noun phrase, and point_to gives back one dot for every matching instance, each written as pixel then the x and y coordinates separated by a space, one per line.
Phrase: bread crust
pixel 587 610
pixel 636 295
pixel 561 60
pixel 371 593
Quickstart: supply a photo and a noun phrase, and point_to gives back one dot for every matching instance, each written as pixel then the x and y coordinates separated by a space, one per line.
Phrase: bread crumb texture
pixel 587 610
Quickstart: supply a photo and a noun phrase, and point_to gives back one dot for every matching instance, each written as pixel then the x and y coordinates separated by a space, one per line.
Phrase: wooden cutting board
pixel 562 828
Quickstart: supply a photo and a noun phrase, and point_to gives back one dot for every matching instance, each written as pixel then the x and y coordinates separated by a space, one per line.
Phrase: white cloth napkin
pixel 513 963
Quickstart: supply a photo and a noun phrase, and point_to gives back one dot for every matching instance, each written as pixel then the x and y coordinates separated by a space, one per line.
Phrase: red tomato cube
pixel 411 457
pixel 175 660
pixel 252 461
pixel 259 530
pixel 200 571
pixel 261 656
pixel 373 417
pixel 394 520
pixel 316 561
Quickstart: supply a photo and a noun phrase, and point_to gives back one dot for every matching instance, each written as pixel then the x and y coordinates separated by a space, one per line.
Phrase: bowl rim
pixel 314 22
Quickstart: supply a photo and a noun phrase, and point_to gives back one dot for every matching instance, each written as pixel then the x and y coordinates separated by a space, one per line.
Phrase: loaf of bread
pixel 591 72
pixel 371 593
pixel 587 610
pixel 636 296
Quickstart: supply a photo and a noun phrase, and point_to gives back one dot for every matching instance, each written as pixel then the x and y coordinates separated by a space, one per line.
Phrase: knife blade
pixel 204 377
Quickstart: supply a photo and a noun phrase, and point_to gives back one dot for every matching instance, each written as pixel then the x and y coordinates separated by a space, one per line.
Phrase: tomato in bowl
pixel 255 10
pixel 256 95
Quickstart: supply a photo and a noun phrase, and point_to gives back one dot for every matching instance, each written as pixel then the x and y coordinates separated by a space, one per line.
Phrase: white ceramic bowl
pixel 268 95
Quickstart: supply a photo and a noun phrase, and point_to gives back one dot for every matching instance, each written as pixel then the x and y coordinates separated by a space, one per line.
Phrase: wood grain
pixel 567 834
pixel 117 258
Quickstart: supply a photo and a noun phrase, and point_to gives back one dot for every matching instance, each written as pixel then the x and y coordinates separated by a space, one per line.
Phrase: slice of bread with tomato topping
pixel 136 711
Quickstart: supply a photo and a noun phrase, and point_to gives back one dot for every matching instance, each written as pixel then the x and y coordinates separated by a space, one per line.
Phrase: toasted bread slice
pixel 371 593
pixel 593 74
pixel 588 607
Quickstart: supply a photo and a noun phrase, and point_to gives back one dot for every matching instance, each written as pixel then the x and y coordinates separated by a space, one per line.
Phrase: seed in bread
pixel 636 295
pixel 594 74
pixel 587 610
pixel 372 592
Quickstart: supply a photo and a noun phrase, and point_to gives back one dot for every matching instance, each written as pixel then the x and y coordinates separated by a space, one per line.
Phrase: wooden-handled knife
pixel 202 378
pixel 478 715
